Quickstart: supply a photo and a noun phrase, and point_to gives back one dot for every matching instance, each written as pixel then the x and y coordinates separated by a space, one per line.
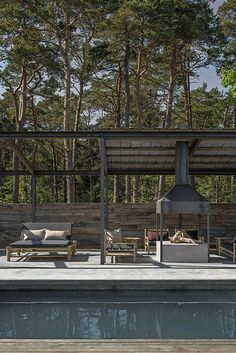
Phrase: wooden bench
pixel 36 245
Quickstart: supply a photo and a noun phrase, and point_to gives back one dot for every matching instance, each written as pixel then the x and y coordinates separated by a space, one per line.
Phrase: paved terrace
pixel 85 272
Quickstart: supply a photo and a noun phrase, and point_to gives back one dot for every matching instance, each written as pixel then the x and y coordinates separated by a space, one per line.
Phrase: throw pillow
pixel 113 236
pixel 33 234
pixel 152 235
pixel 55 234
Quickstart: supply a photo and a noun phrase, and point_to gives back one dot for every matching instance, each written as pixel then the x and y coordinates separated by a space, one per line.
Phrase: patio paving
pixel 85 272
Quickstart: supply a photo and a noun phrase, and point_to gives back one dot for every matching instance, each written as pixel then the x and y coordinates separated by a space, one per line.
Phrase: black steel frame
pixel 176 135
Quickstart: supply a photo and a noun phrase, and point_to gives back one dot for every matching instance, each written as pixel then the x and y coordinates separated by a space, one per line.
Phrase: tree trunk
pixel 187 92
pixel 171 88
pixel 232 176
pixel 217 188
pixel 136 179
pixel 20 113
pixel 169 108
pixel 136 184
pixel 116 186
pixel 127 113
pixel 161 186
pixel 116 189
pixel 70 185
pixel 64 48
pixel 55 183
pixel 78 116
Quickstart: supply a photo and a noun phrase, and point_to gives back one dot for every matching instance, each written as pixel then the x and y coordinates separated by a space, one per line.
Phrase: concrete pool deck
pixel 85 273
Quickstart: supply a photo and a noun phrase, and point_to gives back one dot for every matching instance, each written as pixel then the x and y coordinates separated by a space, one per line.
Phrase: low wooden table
pixel 130 238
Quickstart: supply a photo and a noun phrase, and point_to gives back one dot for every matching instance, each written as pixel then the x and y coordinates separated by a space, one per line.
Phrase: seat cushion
pixel 119 247
pixel 40 244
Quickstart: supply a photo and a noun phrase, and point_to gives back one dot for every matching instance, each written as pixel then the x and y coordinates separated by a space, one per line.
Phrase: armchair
pixel 151 236
pixel 115 246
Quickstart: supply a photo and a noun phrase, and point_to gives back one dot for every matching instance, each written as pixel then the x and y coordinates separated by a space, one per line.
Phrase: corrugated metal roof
pixel 144 155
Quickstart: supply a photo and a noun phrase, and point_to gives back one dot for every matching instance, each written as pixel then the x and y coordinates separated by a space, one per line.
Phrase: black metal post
pixel 208 234
pixel 33 197
pixel 102 200
pixel 106 203
pixel 161 237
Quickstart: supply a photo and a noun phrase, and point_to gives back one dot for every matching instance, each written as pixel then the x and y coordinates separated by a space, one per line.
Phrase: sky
pixel 209 74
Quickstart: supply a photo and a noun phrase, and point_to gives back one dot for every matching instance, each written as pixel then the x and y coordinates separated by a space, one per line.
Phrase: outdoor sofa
pixel 38 237
pixel 115 246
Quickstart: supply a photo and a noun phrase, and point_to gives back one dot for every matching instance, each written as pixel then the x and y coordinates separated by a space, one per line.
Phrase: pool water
pixel 104 315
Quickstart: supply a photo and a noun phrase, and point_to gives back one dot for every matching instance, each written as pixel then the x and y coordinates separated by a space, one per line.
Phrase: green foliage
pixel 228 78
pixel 33 34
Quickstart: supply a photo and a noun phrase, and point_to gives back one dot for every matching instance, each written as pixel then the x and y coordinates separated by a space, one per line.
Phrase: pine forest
pixel 77 65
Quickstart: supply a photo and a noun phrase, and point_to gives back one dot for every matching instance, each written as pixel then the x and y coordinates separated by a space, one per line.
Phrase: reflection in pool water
pixel 117 317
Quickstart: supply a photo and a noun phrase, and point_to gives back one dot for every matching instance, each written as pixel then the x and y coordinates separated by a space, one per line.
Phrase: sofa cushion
pixel 55 234
pixel 40 244
pixel 30 234
pixel 113 236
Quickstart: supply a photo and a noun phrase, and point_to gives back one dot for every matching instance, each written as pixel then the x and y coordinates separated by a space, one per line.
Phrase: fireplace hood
pixel 182 198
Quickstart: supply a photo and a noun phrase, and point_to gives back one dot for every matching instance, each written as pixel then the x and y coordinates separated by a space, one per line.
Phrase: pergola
pixel 136 152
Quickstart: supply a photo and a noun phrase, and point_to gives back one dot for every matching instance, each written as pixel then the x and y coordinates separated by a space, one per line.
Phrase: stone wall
pixel 86 217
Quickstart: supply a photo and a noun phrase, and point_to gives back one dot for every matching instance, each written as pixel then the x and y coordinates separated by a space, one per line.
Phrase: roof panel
pixel 144 154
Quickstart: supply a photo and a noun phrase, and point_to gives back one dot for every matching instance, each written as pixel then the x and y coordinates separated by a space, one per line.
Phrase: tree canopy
pixel 83 65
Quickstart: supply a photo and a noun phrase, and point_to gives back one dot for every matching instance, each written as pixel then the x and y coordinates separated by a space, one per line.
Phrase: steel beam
pixel 158 171
pixel 52 172
pixel 113 171
pixel 4 135
pixel 175 134
pixel 21 156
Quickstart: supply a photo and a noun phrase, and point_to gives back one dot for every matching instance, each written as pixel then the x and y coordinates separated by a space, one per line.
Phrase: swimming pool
pixel 105 315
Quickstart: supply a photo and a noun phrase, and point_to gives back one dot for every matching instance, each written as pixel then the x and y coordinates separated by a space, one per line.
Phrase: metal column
pixel 106 203
pixel 208 234
pixel 102 200
pixel 161 237
pixel 33 197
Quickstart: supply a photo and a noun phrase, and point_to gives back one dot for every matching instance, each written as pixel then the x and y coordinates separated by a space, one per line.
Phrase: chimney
pixel 181 163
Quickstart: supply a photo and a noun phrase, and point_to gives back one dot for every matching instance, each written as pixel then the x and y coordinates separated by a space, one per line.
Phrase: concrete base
pixel 183 252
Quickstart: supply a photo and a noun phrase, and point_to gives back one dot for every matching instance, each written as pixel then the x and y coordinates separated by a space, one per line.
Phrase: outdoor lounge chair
pixel 36 237
pixel 226 245
pixel 115 246
pixel 151 236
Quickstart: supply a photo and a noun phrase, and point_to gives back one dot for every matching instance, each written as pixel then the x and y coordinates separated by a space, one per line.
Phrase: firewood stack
pixel 181 237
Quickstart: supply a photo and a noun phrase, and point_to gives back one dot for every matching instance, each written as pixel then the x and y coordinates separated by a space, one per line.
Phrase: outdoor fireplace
pixel 182 199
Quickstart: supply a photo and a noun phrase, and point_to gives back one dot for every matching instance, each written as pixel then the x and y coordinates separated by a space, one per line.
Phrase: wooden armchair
pixel 115 246
pixel 226 244
pixel 151 236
